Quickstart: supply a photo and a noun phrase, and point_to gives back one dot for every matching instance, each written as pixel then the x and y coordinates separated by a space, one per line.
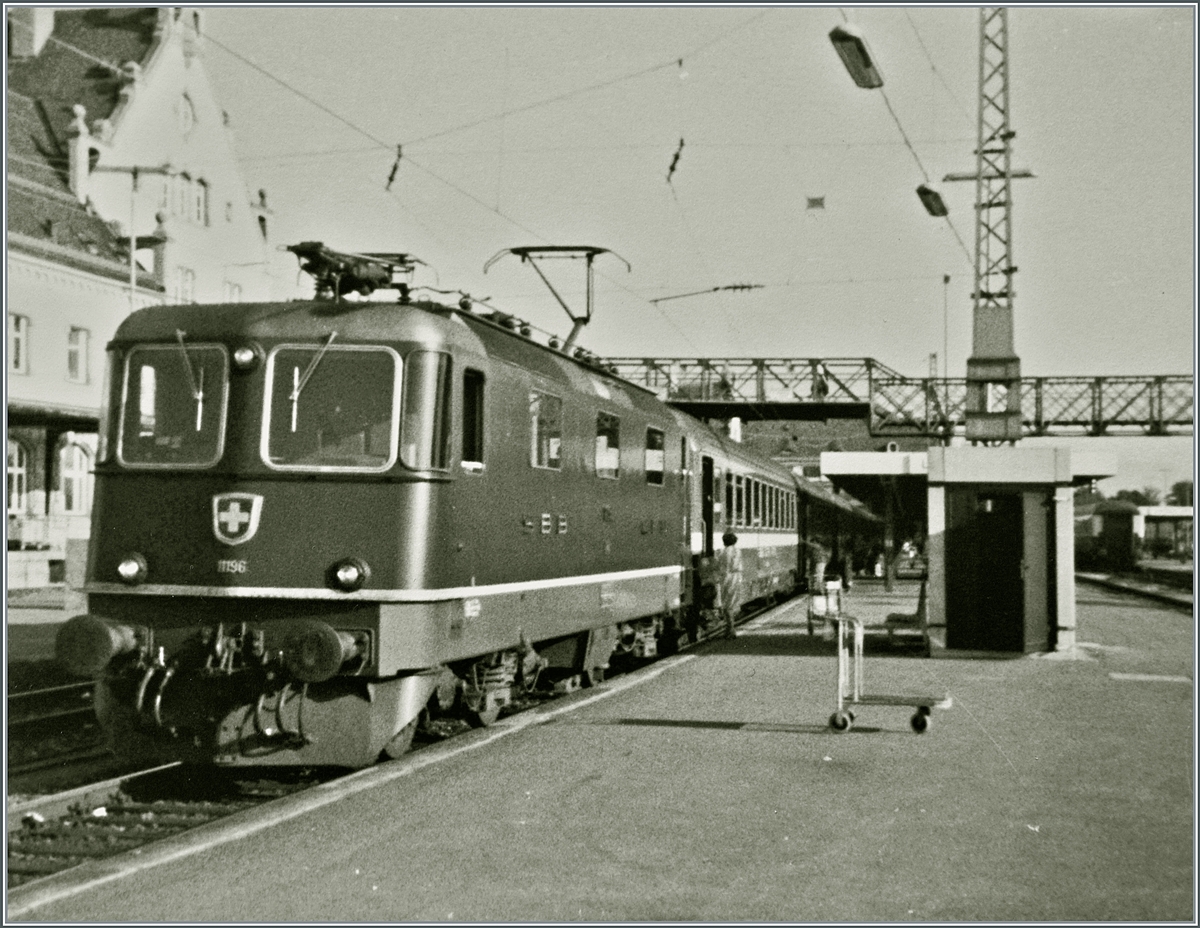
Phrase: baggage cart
pixel 849 683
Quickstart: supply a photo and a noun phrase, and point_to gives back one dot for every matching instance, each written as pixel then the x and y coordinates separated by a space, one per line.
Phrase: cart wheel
pixel 924 710
pixel 850 713
pixel 841 721
pixel 920 722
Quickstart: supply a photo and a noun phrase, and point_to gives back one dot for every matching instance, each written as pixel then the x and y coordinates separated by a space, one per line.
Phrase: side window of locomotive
pixel 173 406
pixel 608 445
pixel 655 456
pixel 472 417
pixel 545 429
pixel 425 426
pixel 331 408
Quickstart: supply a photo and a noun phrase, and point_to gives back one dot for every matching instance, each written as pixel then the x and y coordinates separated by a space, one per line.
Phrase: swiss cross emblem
pixel 235 516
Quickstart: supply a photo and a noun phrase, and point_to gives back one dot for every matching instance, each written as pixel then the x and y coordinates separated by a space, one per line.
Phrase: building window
pixel 185 285
pixel 608 446
pixel 231 292
pixel 200 202
pixel 545 425
pixel 77 354
pixel 655 456
pixel 74 466
pixel 18 462
pixel 183 184
pixel 18 344
pixel 187 114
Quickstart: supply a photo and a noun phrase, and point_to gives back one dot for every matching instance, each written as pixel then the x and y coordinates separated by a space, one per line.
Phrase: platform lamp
pixel 851 45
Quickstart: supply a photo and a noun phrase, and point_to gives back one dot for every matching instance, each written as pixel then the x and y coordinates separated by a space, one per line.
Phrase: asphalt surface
pixel 709 788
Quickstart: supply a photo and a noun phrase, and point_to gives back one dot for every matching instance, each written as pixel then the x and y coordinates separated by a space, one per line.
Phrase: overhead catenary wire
pixel 416 163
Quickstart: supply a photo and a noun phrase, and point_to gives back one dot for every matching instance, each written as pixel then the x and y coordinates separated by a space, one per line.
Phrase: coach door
pixel 706 502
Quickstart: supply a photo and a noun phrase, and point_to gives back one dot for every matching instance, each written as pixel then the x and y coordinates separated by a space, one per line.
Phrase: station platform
pixel 709 787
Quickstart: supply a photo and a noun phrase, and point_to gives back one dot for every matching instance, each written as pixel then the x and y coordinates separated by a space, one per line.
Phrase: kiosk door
pixel 985 587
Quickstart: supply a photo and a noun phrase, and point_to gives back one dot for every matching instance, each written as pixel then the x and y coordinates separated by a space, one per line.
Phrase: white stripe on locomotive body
pixel 382 596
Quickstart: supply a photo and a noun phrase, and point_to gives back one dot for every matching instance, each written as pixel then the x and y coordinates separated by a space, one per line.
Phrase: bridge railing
pixel 919 406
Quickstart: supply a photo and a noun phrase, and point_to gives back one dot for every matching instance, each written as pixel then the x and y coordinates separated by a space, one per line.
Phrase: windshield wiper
pixel 197 386
pixel 299 382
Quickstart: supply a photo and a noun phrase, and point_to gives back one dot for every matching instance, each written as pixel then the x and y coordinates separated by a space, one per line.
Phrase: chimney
pixel 79 151
pixel 29 28
pixel 161 237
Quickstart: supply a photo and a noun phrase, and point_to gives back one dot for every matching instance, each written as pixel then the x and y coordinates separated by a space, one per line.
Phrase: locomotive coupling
pixel 314 651
pixel 85 644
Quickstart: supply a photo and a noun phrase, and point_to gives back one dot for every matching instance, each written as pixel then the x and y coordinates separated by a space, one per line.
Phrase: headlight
pixel 132 569
pixel 349 574
pixel 247 357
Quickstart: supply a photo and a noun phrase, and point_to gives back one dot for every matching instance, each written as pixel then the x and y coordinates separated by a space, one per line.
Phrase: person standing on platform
pixel 729 586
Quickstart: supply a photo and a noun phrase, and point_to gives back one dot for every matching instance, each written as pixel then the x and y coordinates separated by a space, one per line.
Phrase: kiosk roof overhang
pixel 970 464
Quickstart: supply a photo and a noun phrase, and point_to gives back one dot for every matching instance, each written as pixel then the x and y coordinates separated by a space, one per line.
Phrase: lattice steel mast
pixel 993 410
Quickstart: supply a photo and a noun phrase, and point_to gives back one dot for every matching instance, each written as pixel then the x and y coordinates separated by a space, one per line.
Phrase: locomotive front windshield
pixel 332 408
pixel 173 405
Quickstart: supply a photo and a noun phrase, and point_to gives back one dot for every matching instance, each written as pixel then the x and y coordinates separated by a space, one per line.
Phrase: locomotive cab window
pixel 173 406
pixel 425 432
pixel 608 446
pixel 331 408
pixel 655 456
pixel 545 428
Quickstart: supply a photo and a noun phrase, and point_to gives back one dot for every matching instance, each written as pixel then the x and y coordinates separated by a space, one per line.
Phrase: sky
pixel 533 125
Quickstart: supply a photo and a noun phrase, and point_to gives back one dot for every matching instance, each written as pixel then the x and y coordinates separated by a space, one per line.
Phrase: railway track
pixel 53 833
pixel 50 726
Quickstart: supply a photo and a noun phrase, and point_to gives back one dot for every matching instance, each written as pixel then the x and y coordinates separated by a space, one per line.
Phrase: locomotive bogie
pixel 342 722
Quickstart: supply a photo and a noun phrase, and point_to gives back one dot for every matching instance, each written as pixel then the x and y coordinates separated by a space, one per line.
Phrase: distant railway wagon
pixel 317 523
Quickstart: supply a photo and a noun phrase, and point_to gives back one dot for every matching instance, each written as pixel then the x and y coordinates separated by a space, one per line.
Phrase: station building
pixel 94 94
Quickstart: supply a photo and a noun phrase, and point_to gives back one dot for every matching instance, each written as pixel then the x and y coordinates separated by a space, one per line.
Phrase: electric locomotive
pixel 316 521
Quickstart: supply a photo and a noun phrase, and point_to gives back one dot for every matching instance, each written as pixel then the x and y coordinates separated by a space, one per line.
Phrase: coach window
pixel 545 426
pixel 655 463
pixel 729 513
pixel 739 502
pixel 608 445
pixel 472 417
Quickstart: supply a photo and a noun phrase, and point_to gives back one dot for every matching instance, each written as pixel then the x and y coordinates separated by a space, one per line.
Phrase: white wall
pixel 152 127
pixel 56 298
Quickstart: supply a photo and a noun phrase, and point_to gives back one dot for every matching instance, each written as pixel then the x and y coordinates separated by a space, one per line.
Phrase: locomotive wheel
pixel 593 677
pixel 401 741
